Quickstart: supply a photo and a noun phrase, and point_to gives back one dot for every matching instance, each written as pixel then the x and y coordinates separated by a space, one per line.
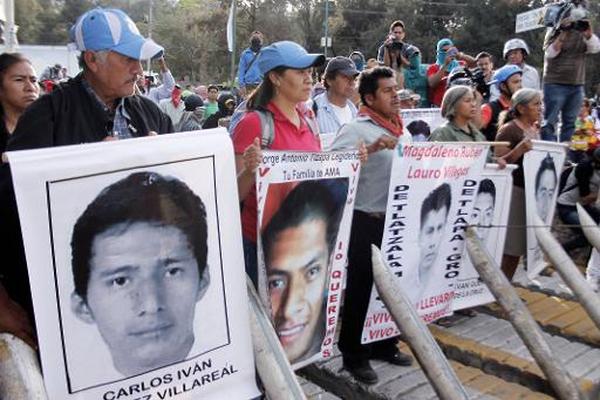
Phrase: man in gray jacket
pixel 379 127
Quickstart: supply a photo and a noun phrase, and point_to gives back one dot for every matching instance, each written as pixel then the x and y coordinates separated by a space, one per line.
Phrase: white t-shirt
pixel 343 114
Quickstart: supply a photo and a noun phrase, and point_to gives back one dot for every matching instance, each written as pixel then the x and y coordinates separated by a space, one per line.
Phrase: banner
pixel 490 216
pixel 305 204
pixel 430 201
pixel 530 20
pixel 420 122
pixel 136 268
pixel 231 27
pixel 542 167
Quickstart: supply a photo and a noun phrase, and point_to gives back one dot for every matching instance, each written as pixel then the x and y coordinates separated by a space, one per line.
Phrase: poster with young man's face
pixel 420 122
pixel 432 193
pixel 489 218
pixel 305 203
pixel 137 276
pixel 542 167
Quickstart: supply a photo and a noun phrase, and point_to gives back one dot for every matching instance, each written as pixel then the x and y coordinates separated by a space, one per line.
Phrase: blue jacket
pixel 251 76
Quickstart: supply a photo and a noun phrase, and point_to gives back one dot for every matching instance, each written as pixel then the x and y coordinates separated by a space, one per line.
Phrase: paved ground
pixel 487 354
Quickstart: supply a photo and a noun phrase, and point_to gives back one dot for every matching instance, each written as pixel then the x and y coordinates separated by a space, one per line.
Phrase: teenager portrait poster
pixel 305 203
pixel 542 166
pixel 138 285
pixel 430 201
pixel 420 122
pixel 489 217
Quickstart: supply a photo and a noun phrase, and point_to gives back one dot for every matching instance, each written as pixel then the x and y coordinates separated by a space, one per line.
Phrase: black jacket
pixel 68 115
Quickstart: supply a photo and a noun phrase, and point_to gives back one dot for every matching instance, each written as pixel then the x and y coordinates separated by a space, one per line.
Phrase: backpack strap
pixel 312 125
pixel 267 128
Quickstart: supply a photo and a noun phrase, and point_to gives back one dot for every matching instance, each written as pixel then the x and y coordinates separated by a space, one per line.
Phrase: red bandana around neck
pixel 393 126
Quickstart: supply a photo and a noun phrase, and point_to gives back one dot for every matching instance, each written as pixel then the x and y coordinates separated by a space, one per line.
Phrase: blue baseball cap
pixel 287 54
pixel 503 74
pixel 112 29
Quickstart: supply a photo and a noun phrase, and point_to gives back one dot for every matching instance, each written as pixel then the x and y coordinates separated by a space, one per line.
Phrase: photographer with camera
pixel 485 63
pixel 447 58
pixel 391 52
pixel 569 39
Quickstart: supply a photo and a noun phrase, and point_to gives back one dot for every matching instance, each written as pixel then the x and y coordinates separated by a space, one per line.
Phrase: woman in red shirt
pixel 287 84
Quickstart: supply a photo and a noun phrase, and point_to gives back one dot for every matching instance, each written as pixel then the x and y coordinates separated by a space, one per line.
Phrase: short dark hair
pixel 395 24
pixel 310 200
pixel 368 80
pixel 487 186
pixel 7 60
pixel 212 86
pixel 547 164
pixel 437 199
pixel 140 197
pixel 483 54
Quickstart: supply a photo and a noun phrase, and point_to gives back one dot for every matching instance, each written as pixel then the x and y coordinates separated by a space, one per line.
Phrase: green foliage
pixel 193 32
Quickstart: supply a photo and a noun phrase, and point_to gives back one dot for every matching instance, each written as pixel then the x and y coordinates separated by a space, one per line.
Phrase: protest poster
pixel 489 216
pixel 420 122
pixel 305 203
pixel 430 201
pixel 136 268
pixel 542 166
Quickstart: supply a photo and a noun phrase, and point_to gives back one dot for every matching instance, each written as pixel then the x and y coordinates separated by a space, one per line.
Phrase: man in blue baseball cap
pixel 507 80
pixel 98 104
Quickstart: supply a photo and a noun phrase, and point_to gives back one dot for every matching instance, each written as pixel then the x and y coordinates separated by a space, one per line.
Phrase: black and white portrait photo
pixel 140 277
pixel 136 267
pixel 139 271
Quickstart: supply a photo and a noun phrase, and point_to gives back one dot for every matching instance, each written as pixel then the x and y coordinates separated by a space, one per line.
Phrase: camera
pixel 567 15
pixel 395 44
pixel 469 77
pixel 452 52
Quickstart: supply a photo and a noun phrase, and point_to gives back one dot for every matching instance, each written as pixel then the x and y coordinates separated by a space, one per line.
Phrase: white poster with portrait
pixel 430 201
pixel 489 216
pixel 305 204
pixel 420 122
pixel 542 167
pixel 136 268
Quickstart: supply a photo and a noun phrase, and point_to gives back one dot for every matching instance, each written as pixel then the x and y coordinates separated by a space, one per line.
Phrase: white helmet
pixel 514 44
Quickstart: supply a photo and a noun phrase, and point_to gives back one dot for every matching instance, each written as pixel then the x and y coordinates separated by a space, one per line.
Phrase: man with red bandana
pixel 379 126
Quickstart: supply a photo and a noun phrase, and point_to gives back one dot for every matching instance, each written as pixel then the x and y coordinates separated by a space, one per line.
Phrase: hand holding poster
pixel 542 167
pixel 305 203
pixel 490 216
pixel 127 275
pixel 432 190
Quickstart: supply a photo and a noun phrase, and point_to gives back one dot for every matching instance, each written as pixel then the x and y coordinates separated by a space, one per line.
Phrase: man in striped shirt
pixel 334 107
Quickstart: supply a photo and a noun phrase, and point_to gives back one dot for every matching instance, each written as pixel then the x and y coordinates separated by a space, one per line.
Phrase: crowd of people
pixel 289 99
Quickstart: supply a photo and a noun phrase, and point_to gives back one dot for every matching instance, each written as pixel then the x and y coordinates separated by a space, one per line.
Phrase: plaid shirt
pixel 121 127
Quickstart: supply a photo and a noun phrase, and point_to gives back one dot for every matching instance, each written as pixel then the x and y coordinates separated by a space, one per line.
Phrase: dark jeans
pixel 569 215
pixel 565 100
pixel 366 230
